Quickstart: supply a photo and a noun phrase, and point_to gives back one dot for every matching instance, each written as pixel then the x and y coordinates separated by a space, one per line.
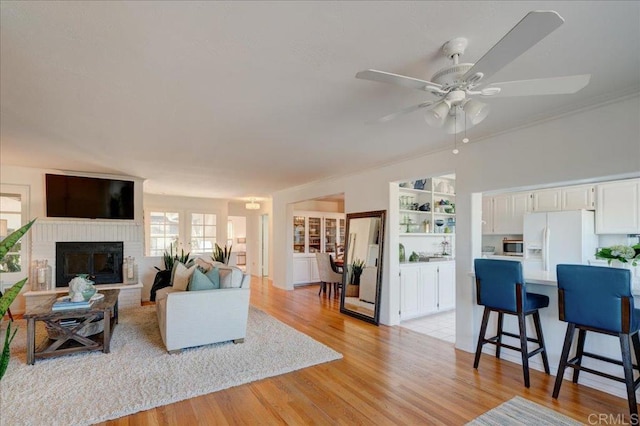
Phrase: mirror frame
pixel 381 214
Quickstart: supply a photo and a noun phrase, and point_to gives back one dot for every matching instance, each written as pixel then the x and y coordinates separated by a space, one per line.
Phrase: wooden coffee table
pixel 70 339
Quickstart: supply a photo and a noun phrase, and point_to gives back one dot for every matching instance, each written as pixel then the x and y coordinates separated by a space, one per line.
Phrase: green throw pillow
pixel 214 276
pixel 199 281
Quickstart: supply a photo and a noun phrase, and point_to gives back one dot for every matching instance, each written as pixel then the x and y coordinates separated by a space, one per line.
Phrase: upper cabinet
pixel 487 215
pixel 618 207
pixel 315 232
pixel 580 197
pixel 504 214
pixel 548 200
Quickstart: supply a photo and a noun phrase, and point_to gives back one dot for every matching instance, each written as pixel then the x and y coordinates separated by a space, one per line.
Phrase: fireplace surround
pixel 101 260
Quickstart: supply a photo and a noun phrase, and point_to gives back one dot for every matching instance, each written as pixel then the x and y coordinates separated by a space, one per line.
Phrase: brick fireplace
pixel 46 234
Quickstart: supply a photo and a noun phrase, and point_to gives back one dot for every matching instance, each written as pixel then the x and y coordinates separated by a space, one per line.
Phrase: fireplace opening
pixel 101 260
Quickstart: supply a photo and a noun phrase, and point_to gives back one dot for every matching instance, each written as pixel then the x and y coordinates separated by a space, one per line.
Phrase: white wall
pixel 35 179
pixel 90 229
pixel 593 144
pixel 320 206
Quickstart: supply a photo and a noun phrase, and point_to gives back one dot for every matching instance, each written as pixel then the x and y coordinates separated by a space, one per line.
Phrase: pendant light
pixel 252 205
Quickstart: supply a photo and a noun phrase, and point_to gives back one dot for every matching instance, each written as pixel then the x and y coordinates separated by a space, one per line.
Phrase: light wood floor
pixel 388 376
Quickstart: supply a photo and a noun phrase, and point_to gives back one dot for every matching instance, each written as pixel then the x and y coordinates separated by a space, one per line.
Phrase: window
pixel 203 233
pixel 14 206
pixel 163 231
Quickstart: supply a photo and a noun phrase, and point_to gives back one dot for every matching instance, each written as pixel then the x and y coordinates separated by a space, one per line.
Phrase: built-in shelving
pixel 412 200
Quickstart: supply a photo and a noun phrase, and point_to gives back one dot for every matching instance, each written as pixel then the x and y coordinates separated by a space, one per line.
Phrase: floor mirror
pixel 362 271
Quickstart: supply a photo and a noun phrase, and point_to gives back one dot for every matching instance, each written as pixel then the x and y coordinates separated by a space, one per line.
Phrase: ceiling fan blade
pixel 530 30
pixel 401 112
pixel 398 80
pixel 542 86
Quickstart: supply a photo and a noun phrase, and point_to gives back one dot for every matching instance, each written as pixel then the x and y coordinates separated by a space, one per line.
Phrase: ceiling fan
pixel 457 86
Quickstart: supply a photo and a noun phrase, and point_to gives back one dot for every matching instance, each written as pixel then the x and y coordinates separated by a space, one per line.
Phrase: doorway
pixel 264 245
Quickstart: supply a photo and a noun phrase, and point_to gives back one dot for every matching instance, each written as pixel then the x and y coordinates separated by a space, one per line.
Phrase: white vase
pixel 635 277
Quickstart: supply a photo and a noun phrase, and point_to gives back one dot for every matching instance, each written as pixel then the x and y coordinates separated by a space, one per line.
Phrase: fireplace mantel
pixel 130 294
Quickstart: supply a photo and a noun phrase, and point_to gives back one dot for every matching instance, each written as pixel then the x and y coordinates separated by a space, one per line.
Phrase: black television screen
pixel 86 197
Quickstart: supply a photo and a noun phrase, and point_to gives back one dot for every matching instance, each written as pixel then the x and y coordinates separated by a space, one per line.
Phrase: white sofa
pixel 194 318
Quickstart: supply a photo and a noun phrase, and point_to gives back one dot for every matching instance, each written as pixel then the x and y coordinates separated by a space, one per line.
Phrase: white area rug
pixel 522 412
pixel 139 374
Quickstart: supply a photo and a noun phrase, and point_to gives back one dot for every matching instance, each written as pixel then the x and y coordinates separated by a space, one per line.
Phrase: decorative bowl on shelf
pixel 414 227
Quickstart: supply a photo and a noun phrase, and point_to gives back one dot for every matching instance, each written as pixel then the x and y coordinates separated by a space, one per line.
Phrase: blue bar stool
pixel 500 288
pixel 598 299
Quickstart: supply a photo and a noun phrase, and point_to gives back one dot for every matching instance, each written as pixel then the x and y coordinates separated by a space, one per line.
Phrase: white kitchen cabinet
pixel 487 215
pixel 581 197
pixel 618 207
pixel 426 288
pixel 410 293
pixel 548 200
pixel 506 212
pixel 446 286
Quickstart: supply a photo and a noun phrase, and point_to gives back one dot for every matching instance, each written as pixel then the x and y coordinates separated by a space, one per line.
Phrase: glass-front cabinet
pixel 299 234
pixel 315 232
pixel 309 229
pixel 331 235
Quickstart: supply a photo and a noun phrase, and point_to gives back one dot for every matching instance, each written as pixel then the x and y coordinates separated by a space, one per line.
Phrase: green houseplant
pixel 8 297
pixel 220 255
pixel 357 267
pixel 170 258
pixel 621 253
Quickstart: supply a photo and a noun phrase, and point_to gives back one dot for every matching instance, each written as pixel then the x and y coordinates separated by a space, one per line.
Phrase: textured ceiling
pixel 239 99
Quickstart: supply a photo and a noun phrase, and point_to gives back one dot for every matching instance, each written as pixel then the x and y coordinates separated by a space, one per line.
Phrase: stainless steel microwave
pixel 512 247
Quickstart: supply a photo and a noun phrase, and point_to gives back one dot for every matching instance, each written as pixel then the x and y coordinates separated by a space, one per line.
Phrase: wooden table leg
pixel 31 341
pixel 106 337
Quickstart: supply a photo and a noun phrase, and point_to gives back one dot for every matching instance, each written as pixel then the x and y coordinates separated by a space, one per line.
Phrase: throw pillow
pixel 230 277
pixel 214 276
pixel 199 281
pixel 204 264
pixel 181 276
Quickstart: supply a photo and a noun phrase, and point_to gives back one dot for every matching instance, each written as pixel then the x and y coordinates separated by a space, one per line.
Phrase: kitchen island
pixel 554 332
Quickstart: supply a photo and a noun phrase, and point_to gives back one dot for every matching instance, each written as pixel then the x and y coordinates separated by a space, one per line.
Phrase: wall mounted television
pixel 88 197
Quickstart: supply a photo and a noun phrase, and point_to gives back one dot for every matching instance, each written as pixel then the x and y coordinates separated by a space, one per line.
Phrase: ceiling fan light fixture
pixel 476 111
pixel 454 124
pixel 436 116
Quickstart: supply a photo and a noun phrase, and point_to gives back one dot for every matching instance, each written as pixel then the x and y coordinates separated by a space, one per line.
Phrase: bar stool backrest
pixel 496 283
pixel 595 296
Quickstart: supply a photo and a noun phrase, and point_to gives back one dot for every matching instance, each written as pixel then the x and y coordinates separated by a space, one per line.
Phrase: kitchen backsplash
pixel 603 240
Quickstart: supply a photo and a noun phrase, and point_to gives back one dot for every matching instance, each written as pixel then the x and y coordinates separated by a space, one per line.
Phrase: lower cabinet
pixel 305 270
pixel 426 288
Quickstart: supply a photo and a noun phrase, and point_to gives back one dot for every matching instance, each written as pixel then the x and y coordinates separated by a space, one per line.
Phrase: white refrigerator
pixel 558 237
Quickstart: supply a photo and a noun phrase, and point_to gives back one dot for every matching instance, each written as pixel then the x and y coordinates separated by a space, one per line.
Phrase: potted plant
pixel 220 255
pixel 8 297
pixel 163 277
pixel 621 253
pixel 357 267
